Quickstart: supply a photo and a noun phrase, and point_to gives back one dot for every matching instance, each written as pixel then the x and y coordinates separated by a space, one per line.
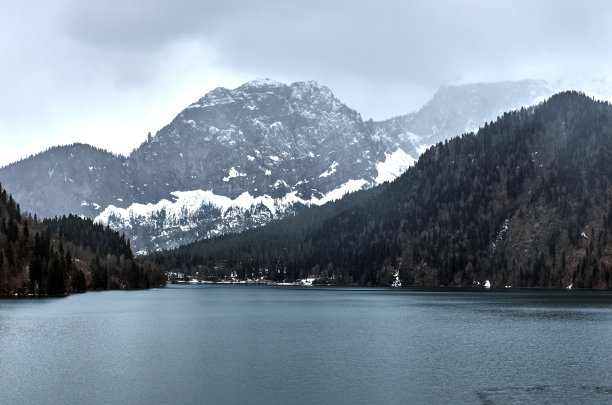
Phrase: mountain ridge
pixel 270 148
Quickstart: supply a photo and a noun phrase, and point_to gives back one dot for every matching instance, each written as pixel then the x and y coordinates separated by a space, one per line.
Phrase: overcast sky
pixel 107 72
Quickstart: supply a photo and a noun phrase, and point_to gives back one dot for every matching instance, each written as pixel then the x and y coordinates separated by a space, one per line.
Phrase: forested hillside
pixel 527 201
pixel 64 255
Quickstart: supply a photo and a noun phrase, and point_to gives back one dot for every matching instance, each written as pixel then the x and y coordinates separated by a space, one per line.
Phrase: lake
pixel 218 344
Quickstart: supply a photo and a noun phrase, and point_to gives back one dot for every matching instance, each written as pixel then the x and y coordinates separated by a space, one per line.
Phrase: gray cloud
pixel 417 42
pixel 68 62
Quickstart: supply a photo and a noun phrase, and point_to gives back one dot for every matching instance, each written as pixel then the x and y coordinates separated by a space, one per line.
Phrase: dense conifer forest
pixel 64 255
pixel 525 202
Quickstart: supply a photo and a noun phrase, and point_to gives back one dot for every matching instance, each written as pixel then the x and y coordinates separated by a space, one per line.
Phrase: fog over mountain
pixel 236 159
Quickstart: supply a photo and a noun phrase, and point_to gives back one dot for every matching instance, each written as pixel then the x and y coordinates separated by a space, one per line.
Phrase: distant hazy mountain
pixel 76 179
pixel 455 110
pixel 236 159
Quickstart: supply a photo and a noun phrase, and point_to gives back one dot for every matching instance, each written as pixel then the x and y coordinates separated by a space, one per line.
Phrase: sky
pixel 108 72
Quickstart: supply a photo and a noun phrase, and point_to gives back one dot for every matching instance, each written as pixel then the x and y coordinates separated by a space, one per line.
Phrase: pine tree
pixel 26 230
pixel 8 252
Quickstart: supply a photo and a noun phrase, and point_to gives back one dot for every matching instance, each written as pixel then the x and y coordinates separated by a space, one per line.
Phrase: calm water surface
pixel 242 345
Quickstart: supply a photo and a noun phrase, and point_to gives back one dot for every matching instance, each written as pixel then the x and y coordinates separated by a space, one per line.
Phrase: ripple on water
pixel 547 394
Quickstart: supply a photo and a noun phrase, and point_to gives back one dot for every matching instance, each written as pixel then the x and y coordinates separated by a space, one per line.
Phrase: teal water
pixel 272 345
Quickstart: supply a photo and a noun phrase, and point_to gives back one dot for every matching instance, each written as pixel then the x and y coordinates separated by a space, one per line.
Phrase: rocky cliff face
pixel 236 159
pixel 263 138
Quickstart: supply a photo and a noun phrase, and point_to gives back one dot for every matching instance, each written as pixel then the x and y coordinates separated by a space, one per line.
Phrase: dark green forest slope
pixel 527 202
pixel 63 255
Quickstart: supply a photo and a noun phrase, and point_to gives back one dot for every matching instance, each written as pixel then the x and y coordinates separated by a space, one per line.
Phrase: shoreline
pixel 386 287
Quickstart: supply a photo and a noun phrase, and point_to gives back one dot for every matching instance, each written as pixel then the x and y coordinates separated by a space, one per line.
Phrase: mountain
pixel 237 159
pixel 63 255
pixel 455 110
pixel 60 180
pixel 525 202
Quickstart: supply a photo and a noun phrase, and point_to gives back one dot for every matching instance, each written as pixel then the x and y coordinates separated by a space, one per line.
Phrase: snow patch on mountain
pixel 233 173
pixel 280 183
pixel 330 171
pixel 348 187
pixel 393 166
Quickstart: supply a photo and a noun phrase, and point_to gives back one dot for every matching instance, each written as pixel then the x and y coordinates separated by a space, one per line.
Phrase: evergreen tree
pixel 26 230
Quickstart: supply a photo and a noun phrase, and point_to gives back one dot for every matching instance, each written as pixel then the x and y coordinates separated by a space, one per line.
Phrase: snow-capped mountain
pixel 239 158
pixel 236 159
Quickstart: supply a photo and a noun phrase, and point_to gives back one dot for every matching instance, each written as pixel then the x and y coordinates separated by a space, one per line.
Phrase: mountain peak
pixel 266 84
pixel 308 84
pixel 260 84
pixel 302 90
pixel 310 87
